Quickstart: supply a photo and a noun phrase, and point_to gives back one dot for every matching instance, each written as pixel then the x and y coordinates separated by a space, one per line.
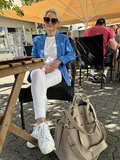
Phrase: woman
pixel 114 28
pixel 58 51
pixel 117 39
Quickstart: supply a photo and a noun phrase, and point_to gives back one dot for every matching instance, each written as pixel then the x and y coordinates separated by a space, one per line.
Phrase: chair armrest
pixel 73 72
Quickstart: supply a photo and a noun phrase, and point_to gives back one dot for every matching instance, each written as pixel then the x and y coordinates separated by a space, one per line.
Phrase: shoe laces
pixel 35 131
pixel 44 132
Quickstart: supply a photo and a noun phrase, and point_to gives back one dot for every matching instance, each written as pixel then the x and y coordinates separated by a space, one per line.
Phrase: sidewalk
pixel 106 104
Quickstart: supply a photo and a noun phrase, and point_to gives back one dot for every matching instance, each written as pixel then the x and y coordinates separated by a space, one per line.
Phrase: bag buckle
pixel 66 126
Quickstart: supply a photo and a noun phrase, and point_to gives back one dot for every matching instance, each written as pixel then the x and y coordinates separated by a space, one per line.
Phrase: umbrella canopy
pixel 109 22
pixel 71 11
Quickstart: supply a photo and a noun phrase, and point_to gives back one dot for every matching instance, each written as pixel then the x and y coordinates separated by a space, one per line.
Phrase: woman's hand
pixel 48 69
pixel 56 64
pixel 43 68
pixel 51 67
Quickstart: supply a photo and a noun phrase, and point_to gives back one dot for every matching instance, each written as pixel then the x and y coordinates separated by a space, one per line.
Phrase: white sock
pixel 105 72
pixel 92 72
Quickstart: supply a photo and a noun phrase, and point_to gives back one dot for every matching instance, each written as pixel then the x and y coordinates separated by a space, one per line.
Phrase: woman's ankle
pixel 41 120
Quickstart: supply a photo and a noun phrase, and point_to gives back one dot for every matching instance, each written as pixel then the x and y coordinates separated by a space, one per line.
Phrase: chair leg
pixel 118 66
pixel 22 116
pixel 80 79
pixel 118 69
pixel 111 75
pixel 87 73
pixel 102 82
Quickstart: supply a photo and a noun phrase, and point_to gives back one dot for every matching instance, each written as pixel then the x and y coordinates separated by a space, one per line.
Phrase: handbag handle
pixel 81 96
pixel 74 105
pixel 75 124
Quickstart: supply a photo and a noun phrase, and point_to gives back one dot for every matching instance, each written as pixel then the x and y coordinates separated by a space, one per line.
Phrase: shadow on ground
pixel 107 107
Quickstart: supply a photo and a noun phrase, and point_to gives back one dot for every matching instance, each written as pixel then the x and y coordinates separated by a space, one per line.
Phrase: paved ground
pixel 106 104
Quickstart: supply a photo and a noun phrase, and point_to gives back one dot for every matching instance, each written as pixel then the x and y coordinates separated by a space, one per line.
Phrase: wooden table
pixel 19 69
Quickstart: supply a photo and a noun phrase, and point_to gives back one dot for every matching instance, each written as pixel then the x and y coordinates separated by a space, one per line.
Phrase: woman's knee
pixel 37 73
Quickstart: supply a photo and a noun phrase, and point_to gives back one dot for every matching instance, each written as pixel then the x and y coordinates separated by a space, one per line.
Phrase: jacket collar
pixel 44 35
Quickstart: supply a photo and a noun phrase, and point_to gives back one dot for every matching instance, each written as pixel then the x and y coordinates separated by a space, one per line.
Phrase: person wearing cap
pixel 69 36
pixel 100 28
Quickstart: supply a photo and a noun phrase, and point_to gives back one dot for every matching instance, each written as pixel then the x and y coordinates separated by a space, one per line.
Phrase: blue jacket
pixel 65 52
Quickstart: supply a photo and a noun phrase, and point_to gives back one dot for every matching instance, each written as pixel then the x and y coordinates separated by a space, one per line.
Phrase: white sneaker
pixel 45 140
pixel 35 135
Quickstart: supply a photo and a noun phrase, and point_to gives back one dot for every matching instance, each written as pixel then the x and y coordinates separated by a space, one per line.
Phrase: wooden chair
pixel 58 92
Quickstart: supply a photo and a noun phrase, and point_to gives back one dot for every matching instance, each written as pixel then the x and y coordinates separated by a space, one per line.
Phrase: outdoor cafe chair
pixel 90 52
pixel 59 92
pixel 28 49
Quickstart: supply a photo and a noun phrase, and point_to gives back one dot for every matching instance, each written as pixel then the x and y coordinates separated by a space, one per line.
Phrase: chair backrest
pixel 34 35
pixel 90 51
pixel 28 50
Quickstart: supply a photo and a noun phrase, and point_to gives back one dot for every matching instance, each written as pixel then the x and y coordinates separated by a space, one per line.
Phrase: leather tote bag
pixel 79 135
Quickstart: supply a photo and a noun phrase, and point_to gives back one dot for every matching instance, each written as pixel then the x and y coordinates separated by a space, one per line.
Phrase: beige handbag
pixel 79 135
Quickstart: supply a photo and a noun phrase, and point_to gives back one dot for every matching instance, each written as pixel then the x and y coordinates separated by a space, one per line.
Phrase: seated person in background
pixel 58 51
pixel 69 36
pixel 114 28
pixel 100 28
pixel 1 45
pixel 117 40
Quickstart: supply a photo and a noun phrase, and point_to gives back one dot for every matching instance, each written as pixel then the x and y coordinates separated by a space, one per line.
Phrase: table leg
pixel 21 133
pixel 115 65
pixel 6 120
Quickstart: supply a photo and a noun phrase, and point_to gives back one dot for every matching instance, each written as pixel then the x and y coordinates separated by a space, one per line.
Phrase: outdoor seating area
pixel 106 104
pixel 106 101
pixel 60 80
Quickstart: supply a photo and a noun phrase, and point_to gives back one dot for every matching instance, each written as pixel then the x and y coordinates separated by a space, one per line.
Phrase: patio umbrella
pixel 71 11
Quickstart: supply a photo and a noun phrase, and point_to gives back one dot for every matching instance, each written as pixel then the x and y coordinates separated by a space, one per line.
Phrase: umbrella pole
pixel 86 22
pixel 24 35
pixel 36 28
pixel 86 25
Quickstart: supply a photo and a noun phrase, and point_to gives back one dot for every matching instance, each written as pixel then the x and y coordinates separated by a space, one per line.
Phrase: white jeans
pixel 40 82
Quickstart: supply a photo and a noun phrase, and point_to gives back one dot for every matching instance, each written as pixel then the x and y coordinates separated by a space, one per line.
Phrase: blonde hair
pixel 55 12
pixel 114 27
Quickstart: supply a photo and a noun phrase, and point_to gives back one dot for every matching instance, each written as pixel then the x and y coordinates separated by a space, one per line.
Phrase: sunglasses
pixel 53 20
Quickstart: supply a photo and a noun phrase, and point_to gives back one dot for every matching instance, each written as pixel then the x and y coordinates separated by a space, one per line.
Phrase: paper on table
pixel 6 57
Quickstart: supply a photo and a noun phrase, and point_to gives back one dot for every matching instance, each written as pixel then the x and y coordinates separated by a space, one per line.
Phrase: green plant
pixel 9 4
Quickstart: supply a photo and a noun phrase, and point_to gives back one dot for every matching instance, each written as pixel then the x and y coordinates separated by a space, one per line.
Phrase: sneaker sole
pixel 30 145
pixel 92 79
pixel 49 150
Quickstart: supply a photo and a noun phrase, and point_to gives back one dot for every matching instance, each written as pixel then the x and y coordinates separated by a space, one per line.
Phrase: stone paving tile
pixel 106 104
